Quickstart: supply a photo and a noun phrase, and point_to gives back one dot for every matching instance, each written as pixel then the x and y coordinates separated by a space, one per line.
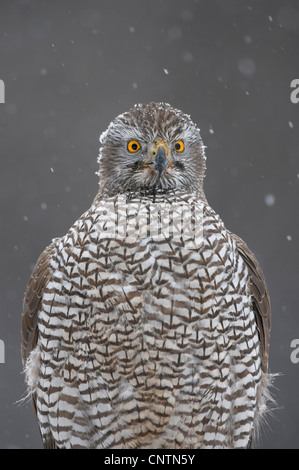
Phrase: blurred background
pixel 70 67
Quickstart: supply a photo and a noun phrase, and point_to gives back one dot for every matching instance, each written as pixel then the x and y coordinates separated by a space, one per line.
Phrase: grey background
pixel 71 66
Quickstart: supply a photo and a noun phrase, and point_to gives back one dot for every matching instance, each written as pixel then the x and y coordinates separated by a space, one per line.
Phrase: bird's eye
pixel 133 146
pixel 179 146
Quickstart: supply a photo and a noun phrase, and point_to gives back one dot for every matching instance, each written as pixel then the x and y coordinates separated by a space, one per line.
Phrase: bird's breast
pixel 146 316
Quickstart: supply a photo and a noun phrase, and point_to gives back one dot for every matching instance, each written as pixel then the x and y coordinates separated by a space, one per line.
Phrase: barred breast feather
pixel 147 339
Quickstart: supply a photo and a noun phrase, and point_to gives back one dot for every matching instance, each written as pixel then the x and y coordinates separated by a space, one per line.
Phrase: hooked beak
pixel 159 162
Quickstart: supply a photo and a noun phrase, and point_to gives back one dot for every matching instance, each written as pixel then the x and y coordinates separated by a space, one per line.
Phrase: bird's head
pixel 152 147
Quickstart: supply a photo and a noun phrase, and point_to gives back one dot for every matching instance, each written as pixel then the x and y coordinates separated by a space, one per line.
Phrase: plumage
pixel 147 325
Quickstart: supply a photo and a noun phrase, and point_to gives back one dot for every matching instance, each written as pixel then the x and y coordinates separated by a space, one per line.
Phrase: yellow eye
pixel 179 146
pixel 133 146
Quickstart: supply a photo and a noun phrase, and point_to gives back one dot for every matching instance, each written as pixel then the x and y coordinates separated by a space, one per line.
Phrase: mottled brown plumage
pixel 260 298
pixel 148 337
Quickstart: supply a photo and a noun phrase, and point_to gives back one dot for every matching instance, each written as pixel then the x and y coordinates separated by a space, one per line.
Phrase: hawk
pixel 147 325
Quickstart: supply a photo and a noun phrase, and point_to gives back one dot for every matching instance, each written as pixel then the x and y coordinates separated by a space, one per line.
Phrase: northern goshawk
pixel 147 325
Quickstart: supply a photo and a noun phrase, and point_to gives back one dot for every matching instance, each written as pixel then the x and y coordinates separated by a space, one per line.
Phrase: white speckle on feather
pixel 289 238
pixel 166 71
pixel 32 369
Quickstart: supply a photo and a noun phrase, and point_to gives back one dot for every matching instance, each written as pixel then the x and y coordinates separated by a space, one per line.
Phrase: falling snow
pixel 289 238
pixel 247 39
pixel 270 200
pixel 246 67
pixel 174 33
pixel 188 57
pixel 187 15
pixel 288 18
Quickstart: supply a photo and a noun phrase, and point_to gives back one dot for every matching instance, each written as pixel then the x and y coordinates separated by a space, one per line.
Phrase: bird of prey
pixel 147 325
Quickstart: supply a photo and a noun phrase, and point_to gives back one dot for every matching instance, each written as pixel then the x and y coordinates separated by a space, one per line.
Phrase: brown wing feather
pixel 34 292
pixel 32 301
pixel 260 298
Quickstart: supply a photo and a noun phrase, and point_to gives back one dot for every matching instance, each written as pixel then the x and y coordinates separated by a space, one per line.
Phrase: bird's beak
pixel 159 161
